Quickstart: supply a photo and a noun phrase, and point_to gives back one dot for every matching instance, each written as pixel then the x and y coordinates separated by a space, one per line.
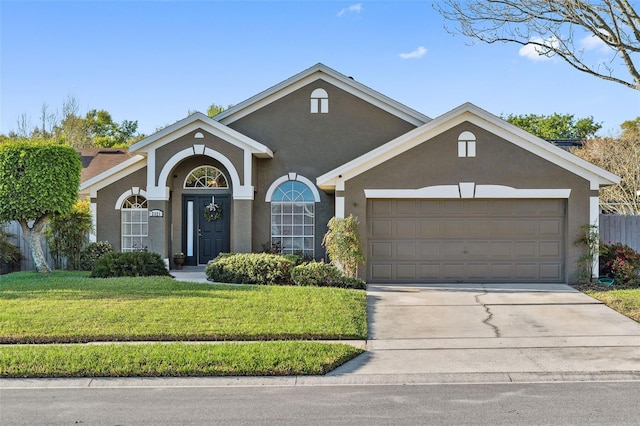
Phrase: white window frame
pixel 319 101
pixel 199 184
pixel 131 241
pixel 466 144
pixel 293 221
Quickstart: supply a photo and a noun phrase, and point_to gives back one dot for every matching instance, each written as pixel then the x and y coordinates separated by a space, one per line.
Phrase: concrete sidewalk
pixel 461 333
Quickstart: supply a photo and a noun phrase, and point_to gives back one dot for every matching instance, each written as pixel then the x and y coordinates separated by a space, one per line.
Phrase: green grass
pixel 173 359
pixel 65 307
pixel 68 307
pixel 625 301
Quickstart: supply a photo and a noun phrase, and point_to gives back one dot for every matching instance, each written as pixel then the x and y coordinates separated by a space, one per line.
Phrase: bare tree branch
pixel 558 27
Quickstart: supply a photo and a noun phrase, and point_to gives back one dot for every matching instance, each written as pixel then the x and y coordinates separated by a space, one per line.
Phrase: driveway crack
pixel 487 309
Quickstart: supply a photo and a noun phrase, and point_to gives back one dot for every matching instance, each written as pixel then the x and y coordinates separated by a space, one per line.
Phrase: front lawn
pixel 66 307
pixel 625 301
pixel 174 359
pixel 69 307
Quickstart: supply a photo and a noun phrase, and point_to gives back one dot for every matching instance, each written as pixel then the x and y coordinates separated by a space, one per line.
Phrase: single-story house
pixel 464 197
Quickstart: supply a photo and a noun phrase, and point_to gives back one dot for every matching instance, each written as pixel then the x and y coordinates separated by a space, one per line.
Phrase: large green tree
pixel 598 37
pixel 555 126
pixel 38 179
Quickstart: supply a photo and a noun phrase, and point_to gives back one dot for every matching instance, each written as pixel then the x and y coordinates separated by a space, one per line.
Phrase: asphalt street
pixel 577 403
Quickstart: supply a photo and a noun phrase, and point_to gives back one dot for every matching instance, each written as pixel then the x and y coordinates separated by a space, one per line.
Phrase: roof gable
pixel 468 112
pixel 321 71
pixel 200 121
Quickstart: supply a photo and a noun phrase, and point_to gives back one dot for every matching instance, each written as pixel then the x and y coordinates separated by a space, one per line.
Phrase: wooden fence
pixel 620 229
pixel 27 263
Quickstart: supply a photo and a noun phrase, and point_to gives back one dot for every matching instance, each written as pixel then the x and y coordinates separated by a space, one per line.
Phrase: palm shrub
pixel 342 242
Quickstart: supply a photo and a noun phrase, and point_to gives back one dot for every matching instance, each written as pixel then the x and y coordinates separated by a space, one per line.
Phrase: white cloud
pixel 354 8
pixel 536 52
pixel 418 53
pixel 593 43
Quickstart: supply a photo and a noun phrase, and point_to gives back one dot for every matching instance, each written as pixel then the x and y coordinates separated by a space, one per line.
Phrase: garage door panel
pixel 550 271
pixel 405 228
pixel 466 240
pixel 405 251
pixel 381 250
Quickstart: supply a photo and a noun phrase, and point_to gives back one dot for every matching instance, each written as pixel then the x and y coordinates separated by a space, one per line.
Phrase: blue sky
pixel 154 61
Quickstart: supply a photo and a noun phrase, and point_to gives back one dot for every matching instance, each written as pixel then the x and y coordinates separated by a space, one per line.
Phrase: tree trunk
pixel 32 236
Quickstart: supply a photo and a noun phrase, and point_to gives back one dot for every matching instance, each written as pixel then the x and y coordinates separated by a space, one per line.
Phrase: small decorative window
pixel 205 177
pixel 134 223
pixel 466 145
pixel 292 218
pixel 319 101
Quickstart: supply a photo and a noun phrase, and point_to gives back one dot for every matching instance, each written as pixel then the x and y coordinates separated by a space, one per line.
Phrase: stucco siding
pixel 312 144
pixel 108 218
pixel 497 162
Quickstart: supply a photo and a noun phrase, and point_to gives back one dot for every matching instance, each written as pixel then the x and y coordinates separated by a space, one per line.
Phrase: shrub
pixel 67 234
pixel 129 264
pixel 620 262
pixel 343 244
pixel 10 255
pixel 251 268
pixel 92 253
pixel 323 275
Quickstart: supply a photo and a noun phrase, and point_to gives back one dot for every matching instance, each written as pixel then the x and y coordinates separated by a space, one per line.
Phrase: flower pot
pixel 178 261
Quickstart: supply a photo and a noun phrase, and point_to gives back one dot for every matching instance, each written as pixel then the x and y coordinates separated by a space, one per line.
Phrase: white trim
pixel 331 76
pixel 594 219
pixel 128 193
pixel 466 190
pixel 288 177
pixel 195 123
pixel 93 208
pixel 474 115
pixel 239 191
pixel 339 207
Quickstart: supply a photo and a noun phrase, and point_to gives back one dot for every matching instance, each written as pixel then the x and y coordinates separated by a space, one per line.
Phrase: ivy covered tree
pixel 38 179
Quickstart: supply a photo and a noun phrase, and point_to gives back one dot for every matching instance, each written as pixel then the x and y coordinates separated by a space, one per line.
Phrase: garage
pixel 466 240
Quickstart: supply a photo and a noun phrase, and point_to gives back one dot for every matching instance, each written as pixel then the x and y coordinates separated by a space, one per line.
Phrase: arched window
pixel 292 218
pixel 134 223
pixel 319 101
pixel 205 177
pixel 466 145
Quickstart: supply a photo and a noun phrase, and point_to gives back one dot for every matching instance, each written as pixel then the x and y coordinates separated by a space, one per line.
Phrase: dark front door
pixel 204 239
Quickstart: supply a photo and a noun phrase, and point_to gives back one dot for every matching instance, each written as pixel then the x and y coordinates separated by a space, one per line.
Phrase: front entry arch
pixel 202 239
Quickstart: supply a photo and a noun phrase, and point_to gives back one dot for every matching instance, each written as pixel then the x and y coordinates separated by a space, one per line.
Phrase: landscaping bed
pixel 624 299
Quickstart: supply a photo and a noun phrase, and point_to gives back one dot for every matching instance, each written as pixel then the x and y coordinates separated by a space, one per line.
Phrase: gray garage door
pixel 465 240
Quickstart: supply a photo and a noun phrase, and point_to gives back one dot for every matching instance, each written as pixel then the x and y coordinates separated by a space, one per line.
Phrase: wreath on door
pixel 212 212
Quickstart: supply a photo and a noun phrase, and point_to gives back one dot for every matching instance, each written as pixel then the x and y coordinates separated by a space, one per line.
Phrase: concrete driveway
pixel 493 332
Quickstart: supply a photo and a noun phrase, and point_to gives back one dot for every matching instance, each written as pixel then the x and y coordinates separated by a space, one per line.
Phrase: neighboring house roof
pixel 566 144
pixel 200 121
pixel 107 177
pixel 467 113
pixel 321 71
pixel 97 160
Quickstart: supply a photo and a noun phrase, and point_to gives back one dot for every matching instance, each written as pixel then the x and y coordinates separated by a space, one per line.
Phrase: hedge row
pixel 274 269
